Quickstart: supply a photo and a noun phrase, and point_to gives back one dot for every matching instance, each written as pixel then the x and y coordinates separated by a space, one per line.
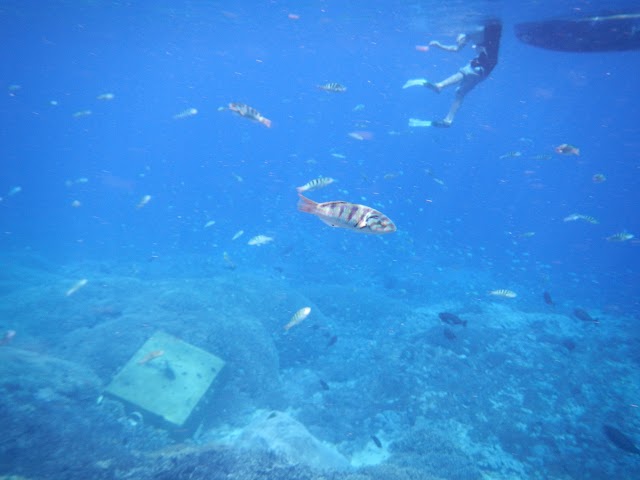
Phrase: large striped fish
pixel 249 112
pixel 358 218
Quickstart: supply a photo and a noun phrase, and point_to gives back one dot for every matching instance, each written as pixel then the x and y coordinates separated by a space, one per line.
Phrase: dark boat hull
pixel 592 34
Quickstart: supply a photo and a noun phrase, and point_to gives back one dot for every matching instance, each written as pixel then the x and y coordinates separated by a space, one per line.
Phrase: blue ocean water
pixel 123 166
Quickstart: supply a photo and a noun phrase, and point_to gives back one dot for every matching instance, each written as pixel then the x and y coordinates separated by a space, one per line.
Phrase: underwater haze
pixel 465 305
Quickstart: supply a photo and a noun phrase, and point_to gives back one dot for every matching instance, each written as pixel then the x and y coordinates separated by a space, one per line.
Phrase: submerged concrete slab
pixel 166 377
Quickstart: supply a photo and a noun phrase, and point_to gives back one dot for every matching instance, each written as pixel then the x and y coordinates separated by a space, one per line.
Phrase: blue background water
pixel 161 58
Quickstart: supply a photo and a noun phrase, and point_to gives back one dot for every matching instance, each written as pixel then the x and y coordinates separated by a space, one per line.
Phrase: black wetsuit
pixel 487 59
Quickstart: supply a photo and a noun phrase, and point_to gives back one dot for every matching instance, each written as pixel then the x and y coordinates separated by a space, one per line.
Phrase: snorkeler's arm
pixel 461 41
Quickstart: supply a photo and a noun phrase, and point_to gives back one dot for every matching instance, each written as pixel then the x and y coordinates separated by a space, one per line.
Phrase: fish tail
pixel 306 205
pixel 577 151
pixel 266 122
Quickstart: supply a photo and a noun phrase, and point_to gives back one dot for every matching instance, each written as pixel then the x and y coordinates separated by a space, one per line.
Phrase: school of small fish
pixel 342 214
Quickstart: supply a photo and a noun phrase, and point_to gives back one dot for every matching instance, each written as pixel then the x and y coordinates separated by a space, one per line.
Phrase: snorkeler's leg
pixel 448 120
pixel 437 87
pixel 455 106
pixel 452 80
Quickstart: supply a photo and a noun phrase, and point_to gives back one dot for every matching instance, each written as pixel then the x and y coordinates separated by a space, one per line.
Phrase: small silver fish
pixel 259 240
pixel 515 154
pixel 578 216
pixel 333 87
pixel 298 317
pixel 143 201
pixel 189 112
pixel 77 286
pixel 249 112
pixel 320 182
pixel 620 237
pixel 503 293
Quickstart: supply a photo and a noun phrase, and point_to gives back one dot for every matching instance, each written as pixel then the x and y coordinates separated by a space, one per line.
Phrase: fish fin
pixel 306 205
pixel 329 221
pixel 266 122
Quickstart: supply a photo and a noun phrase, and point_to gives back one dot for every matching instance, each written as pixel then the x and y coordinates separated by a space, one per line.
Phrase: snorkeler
pixel 487 44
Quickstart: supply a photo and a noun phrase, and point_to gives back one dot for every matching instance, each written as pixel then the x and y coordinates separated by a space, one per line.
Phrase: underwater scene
pixel 322 240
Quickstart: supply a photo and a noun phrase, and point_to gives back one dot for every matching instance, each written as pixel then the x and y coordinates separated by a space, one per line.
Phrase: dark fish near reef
pixel 323 385
pixel 583 315
pixel 168 372
pixel 619 439
pixel 452 319
pixel 448 334
pixel 547 298
pixel 377 441
pixel 332 341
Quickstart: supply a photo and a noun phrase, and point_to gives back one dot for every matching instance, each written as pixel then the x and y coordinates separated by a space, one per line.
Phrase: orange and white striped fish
pixel 351 216
pixel 333 87
pixel 298 317
pixel 249 112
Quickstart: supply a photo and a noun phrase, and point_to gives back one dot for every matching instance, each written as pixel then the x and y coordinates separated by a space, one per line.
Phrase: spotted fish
pixel 358 218
pixel 250 113
pixel 619 439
